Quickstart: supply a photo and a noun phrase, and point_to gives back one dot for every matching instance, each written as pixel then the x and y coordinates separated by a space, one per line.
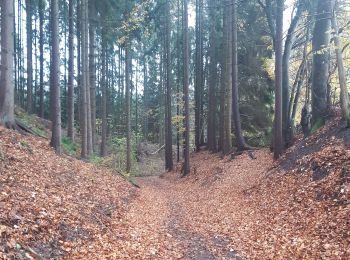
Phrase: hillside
pixel 242 208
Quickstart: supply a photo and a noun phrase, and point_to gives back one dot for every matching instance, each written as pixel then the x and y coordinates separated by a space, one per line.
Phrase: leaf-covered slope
pixel 54 206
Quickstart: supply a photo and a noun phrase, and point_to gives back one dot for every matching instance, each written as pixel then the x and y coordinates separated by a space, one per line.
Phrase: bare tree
pixel 70 101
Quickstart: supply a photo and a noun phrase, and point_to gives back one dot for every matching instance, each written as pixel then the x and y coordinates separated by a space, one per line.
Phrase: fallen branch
pixel 157 150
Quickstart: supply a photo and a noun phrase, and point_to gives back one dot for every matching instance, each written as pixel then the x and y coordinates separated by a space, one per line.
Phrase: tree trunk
pixel 104 96
pixel 87 80
pixel 199 74
pixel 320 48
pixel 344 95
pixel 186 168
pixel 41 59
pixel 211 132
pixel 286 127
pixel 278 138
pixel 128 108
pixel 83 80
pixel 168 114
pixel 70 101
pixel 7 117
pixel 240 142
pixel 29 56
pixel 227 78
pixel 55 80
pixel 92 68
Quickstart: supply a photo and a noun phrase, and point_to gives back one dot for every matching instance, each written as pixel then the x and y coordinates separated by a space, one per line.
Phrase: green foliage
pixel 69 146
pixel 118 148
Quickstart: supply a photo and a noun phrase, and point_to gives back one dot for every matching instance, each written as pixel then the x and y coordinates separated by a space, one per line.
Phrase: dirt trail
pixel 164 225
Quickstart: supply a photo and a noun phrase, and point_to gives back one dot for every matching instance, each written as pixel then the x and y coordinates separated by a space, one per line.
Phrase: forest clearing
pixel 175 129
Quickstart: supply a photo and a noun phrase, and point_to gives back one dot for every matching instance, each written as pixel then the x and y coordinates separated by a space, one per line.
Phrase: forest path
pixel 159 225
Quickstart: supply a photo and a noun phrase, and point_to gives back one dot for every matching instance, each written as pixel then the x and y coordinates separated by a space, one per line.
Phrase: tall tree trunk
pixel 83 81
pixel 278 138
pixel 199 74
pixel 29 56
pixel 186 168
pixel 104 95
pixel 168 114
pixel 286 127
pixel 87 81
pixel 344 95
pixel 227 78
pixel 128 108
pixel 320 48
pixel 41 59
pixel 70 101
pixel 7 102
pixel 240 142
pixel 92 68
pixel 55 80
pixel 211 132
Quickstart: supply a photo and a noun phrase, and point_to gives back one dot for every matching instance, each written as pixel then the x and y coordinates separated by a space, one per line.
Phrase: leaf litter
pixel 59 207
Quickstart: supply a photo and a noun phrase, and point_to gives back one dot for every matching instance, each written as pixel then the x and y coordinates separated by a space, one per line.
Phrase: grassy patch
pixel 32 122
pixel 69 146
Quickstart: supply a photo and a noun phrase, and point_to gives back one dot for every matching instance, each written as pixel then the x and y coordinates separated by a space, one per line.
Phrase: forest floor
pixel 241 208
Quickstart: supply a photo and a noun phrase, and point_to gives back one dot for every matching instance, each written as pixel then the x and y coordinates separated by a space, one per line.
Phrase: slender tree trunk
pixel 29 57
pixel 104 96
pixel 7 102
pixel 168 114
pixel 87 81
pixel 286 127
pixel 70 110
pixel 55 80
pixel 198 74
pixel 128 108
pixel 41 59
pixel 241 144
pixel 186 168
pixel 344 95
pixel 92 68
pixel 227 78
pixel 278 138
pixel 320 48
pixel 83 81
pixel 211 132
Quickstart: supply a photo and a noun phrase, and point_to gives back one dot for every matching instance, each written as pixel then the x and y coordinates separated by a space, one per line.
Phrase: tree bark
pixel 83 80
pixel 320 48
pixel 278 137
pixel 240 142
pixel 168 114
pixel 211 134
pixel 41 59
pixel 128 108
pixel 227 78
pixel 286 127
pixel 186 168
pixel 55 80
pixel 29 56
pixel 199 74
pixel 92 68
pixel 344 95
pixel 7 102
pixel 104 96
pixel 70 101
